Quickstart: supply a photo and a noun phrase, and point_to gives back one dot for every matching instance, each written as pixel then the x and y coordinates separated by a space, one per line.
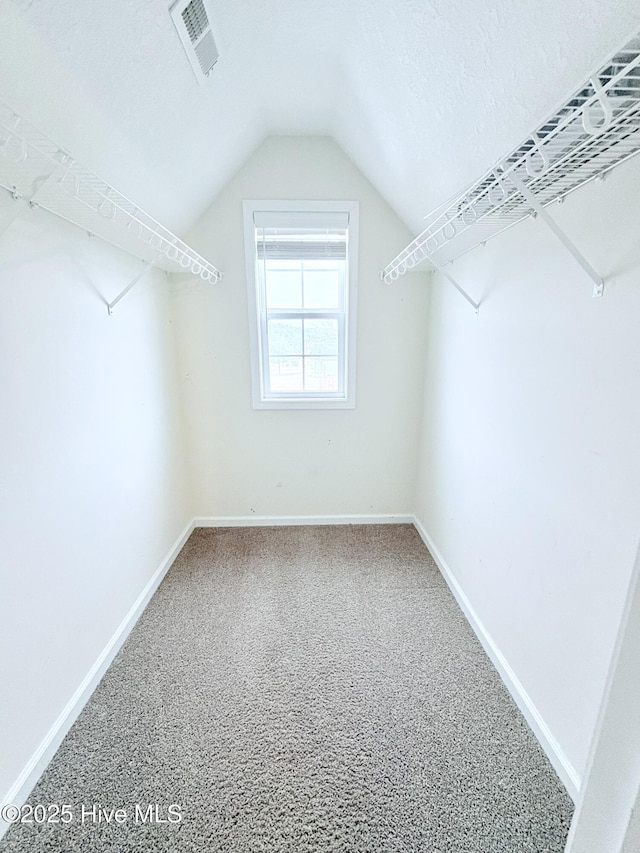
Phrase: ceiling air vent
pixel 192 23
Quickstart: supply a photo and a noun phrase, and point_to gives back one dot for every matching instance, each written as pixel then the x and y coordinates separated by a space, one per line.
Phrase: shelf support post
pixel 451 279
pixel 132 283
pixel 598 282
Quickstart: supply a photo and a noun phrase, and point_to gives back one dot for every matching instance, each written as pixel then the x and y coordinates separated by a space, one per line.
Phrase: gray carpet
pixel 302 689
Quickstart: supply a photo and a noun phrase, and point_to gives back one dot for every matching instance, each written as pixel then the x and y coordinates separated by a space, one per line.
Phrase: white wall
pixel 247 462
pixel 91 491
pixel 530 461
pixel 607 816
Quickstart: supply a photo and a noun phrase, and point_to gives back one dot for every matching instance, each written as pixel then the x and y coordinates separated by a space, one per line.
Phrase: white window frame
pixel 345 398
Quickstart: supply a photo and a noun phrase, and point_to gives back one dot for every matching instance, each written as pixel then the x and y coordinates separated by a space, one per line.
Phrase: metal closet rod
pixel 22 142
pixel 595 130
pixel 18 210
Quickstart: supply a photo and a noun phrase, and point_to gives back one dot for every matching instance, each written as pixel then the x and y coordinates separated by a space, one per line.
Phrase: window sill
pixel 304 403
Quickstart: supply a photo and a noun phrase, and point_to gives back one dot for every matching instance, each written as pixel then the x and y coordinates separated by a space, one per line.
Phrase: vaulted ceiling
pixel 423 95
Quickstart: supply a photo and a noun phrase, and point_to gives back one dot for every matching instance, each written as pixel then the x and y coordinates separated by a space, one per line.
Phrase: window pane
pixel 321 374
pixel 285 374
pixel 284 337
pixel 321 337
pixel 321 289
pixel 282 264
pixel 284 289
pixel 330 265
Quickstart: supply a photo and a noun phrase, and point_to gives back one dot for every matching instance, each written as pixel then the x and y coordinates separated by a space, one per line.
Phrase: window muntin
pixel 302 332
pixel 302 298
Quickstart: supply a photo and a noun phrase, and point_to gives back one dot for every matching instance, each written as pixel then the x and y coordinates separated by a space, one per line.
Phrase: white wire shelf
pixel 36 170
pixel 595 130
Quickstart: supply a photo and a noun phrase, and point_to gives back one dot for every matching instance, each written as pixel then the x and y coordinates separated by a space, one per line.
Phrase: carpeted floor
pixel 301 689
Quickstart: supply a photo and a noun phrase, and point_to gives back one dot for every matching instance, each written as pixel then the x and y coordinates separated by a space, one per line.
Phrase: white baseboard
pixel 22 787
pixel 561 764
pixel 294 520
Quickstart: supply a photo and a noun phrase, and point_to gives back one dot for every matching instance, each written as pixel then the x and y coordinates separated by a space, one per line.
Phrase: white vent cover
pixel 192 23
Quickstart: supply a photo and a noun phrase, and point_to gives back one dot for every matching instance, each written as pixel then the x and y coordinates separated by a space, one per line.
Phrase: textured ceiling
pixel 423 95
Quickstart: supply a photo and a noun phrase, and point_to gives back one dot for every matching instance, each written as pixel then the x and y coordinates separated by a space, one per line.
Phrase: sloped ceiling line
pixel 420 94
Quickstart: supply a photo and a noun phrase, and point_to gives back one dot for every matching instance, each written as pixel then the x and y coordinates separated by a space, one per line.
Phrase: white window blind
pixel 301 236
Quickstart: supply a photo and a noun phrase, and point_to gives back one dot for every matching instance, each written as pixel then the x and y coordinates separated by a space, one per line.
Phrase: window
pixel 301 276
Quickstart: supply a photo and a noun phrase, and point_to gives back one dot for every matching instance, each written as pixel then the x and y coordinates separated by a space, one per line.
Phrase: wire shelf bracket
pixel 145 269
pixel 462 291
pixel 450 278
pixel 39 173
pixel 598 282
pixel 595 130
